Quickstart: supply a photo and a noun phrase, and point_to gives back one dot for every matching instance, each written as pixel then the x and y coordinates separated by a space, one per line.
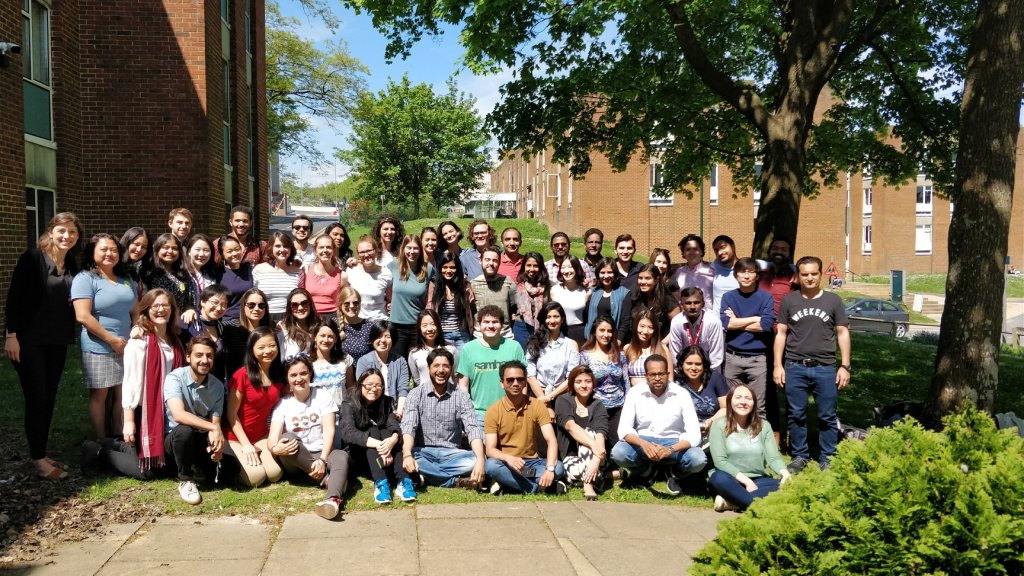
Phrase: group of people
pixel 412 360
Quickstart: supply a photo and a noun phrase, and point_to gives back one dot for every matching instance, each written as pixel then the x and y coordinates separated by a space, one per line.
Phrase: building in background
pixel 865 227
pixel 123 109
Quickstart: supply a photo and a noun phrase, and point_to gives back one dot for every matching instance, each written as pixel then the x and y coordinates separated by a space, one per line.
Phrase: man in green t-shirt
pixel 480 360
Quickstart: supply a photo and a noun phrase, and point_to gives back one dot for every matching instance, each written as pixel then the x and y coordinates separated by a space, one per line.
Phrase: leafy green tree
pixel 304 81
pixel 412 145
pixel 699 82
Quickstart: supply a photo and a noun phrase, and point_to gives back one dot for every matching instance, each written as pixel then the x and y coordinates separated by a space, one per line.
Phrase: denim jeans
pixel 458 339
pixel 441 466
pixel 801 382
pixel 730 488
pixel 680 464
pixel 518 482
pixel 521 332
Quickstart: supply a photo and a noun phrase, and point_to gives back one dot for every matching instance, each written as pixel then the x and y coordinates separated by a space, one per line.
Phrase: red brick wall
pixel 12 150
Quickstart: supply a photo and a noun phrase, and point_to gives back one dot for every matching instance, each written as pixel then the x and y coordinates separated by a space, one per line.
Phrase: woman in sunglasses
pixel 253 306
pixel 295 332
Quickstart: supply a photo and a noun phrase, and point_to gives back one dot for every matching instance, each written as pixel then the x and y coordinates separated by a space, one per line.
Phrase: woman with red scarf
pixel 146 361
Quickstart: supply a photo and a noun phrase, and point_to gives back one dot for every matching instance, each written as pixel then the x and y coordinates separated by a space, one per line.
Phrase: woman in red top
pixel 252 393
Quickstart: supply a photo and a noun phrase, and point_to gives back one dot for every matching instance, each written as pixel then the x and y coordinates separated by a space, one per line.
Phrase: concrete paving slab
pixel 392 524
pixel 479 510
pixel 579 562
pixel 175 539
pixel 476 534
pixel 181 567
pixel 85 557
pixel 367 555
pixel 620 519
pixel 524 562
pixel 699 525
pixel 567 520
pixel 614 556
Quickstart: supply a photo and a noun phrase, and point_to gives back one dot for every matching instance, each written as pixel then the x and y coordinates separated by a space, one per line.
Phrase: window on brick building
pixel 757 185
pixel 35 60
pixel 713 188
pixel 867 200
pixel 924 200
pixel 40 207
pixel 923 239
pixel 866 241
pixel 657 178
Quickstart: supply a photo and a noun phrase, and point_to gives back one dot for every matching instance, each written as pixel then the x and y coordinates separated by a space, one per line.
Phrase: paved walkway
pixel 496 539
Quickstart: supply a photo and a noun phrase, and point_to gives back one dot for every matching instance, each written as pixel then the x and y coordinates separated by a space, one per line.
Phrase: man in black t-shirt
pixel 810 322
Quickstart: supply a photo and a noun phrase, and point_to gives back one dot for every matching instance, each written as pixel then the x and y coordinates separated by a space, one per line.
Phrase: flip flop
pixel 54 474
pixel 56 464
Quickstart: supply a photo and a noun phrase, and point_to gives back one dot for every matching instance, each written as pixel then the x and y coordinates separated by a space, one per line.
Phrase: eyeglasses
pixel 350 304
pixel 160 307
pixel 657 375
pixel 484 233
pixel 299 304
pixel 514 379
pixel 255 305
pixel 303 228
pixel 367 252
pixel 371 387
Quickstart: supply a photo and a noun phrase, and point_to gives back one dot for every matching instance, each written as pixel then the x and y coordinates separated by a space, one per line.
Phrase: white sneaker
pixel 189 493
pixel 722 505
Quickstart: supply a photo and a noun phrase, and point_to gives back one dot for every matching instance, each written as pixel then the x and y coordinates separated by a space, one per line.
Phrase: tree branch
pixel 915 109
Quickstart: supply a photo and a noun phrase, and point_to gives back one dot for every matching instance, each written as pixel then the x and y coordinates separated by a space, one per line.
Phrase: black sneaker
pixel 635 480
pixel 672 486
pixel 824 465
pixel 561 487
pixel 797 465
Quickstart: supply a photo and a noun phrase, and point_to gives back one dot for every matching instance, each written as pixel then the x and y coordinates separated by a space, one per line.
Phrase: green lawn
pixel 936 284
pixel 885 370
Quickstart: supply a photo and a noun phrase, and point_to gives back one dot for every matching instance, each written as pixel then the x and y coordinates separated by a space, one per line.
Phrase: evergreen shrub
pixel 904 501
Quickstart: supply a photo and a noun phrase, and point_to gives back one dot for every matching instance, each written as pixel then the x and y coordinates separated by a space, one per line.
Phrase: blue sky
pixel 433 61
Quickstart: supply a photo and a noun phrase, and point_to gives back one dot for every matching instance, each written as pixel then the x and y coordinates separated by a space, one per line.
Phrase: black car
pixel 879 316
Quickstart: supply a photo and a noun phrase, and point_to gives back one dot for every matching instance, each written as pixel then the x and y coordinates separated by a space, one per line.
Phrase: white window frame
pixel 866 232
pixel 923 239
pixel 867 200
pixel 33 210
pixel 656 176
pixel 713 186
pixel 30 60
pixel 926 207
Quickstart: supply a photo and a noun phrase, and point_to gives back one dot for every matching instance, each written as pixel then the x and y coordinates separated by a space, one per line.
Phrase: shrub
pixel 905 501
pixel 926 338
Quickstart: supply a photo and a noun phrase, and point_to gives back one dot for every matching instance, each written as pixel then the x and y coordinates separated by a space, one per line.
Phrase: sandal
pixel 56 463
pixel 54 474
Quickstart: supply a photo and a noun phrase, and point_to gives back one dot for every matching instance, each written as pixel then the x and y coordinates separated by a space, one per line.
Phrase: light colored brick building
pixel 864 226
pixel 121 110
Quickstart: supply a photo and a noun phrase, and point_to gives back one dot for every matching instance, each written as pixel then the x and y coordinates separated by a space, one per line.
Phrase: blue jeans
pixel 441 466
pixel 730 488
pixel 458 339
pixel 518 482
pixel 801 382
pixel 681 464
pixel 521 332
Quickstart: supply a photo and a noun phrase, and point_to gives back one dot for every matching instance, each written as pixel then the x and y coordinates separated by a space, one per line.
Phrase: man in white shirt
pixel 697 326
pixel 658 428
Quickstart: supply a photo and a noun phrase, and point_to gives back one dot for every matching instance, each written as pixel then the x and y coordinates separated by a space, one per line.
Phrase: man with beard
pixel 491 288
pixel 302 228
pixel 779 279
pixel 240 225
pixel 697 326
pixel 593 243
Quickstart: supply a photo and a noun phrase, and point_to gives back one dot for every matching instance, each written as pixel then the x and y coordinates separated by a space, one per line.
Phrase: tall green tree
pixel 967 363
pixel 412 145
pixel 306 82
pixel 699 82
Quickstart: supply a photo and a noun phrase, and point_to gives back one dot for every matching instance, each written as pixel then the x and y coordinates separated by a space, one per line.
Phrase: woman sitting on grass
pixel 582 428
pixel 252 393
pixel 302 434
pixel 371 429
pixel 742 446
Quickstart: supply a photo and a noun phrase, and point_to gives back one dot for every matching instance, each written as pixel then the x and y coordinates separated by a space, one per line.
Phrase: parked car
pixel 879 316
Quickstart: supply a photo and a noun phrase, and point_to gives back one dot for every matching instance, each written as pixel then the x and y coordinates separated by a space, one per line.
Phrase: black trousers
pixel 185 447
pixel 39 371
pixel 403 338
pixel 124 459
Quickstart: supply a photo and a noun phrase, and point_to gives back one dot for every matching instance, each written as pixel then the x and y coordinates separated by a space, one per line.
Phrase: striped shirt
pixel 276 284
pixel 434 421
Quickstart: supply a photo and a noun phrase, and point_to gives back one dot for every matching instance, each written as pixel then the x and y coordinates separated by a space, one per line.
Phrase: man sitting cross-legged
pixel 510 427
pixel 436 416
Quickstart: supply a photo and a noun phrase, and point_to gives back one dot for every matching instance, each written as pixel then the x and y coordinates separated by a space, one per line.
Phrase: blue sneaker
pixel 382 492
pixel 406 491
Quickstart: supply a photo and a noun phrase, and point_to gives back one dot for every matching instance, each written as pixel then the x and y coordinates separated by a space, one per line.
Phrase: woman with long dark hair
pixel 253 391
pixel 652 295
pixel 707 388
pixel 644 343
pixel 253 306
pixel 371 429
pixel 451 297
pixel 237 277
pixel 451 235
pixel 342 243
pixel 388 232
pixel 200 265
pixel 103 296
pixel 429 242
pixel 609 300
pixel 603 355
pixel 135 251
pixel 299 325
pixel 428 338
pixel 550 355
pixel 532 291
pixel 743 447
pixel 40 326
pixel 166 271
pixel 278 274
pixel 330 361
pixel 569 289
pixel 582 429
pixel 383 358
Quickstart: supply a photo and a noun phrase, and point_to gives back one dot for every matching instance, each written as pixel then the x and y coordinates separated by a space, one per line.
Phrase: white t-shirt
pixel 305 419
pixel 373 290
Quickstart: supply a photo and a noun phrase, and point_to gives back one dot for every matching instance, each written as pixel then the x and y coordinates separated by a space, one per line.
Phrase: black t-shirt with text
pixel 812 326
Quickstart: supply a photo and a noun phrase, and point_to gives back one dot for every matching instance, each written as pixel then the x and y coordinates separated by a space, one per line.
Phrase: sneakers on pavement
pixel 189 493
pixel 672 486
pixel 797 465
pixel 722 505
pixel 329 508
pixel 382 492
pixel 406 491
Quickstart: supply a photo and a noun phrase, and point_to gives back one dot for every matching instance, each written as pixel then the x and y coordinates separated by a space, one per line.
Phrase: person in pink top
pixel 694 271
pixel 324 278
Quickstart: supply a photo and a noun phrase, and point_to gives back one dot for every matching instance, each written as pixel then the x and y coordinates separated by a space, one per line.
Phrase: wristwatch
pixel 550 468
pixel 847 367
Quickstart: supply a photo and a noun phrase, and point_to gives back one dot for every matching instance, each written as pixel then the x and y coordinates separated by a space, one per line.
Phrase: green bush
pixel 931 338
pixel 905 501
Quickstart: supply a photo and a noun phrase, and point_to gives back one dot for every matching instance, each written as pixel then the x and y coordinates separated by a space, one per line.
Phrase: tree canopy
pixel 412 145
pixel 694 83
pixel 305 82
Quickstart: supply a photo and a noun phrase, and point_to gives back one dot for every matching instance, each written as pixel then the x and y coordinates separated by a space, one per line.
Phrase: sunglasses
pixel 255 305
pixel 514 379
pixel 350 304
pixel 305 228
pixel 299 305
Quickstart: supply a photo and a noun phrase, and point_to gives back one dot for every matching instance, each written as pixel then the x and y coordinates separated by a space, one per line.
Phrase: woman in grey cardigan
pixel 394 368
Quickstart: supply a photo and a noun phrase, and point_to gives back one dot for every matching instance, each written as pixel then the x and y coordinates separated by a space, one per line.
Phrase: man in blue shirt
pixel 748 315
pixel 194 403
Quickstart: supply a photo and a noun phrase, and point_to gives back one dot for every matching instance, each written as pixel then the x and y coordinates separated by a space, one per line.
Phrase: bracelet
pixel 322 460
pixel 407 456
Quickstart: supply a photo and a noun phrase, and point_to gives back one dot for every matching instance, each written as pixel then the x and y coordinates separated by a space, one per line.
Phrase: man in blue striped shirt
pixel 436 416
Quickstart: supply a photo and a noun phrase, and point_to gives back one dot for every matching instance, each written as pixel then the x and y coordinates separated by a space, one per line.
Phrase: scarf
pixel 151 433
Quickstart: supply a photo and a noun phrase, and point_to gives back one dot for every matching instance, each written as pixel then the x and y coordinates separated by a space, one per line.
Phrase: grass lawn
pixel 936 284
pixel 886 370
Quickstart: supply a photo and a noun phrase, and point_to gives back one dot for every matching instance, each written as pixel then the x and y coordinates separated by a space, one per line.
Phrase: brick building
pixel 864 226
pixel 122 109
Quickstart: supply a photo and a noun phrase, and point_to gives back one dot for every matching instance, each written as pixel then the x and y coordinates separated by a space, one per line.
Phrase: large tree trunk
pixel 781 186
pixel 967 363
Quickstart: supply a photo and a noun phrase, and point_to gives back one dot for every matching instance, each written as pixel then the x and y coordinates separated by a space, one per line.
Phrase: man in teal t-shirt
pixel 480 359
